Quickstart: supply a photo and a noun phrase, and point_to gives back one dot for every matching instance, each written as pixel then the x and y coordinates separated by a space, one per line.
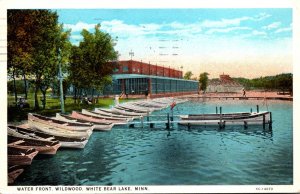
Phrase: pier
pixel 221 121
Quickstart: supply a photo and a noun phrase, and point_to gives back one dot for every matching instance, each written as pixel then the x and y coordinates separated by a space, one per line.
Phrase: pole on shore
pixel 257 108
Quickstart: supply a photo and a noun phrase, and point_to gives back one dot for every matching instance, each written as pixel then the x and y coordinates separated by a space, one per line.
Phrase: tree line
pixel 37 44
pixel 282 82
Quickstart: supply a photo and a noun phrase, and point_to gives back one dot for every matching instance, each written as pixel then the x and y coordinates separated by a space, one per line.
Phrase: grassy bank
pixel 16 114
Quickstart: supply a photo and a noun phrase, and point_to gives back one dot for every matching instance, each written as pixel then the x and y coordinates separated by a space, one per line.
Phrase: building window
pixel 125 69
pixel 116 70
pixel 133 69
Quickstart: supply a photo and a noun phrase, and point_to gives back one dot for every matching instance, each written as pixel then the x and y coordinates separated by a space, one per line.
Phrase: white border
pixel 124 4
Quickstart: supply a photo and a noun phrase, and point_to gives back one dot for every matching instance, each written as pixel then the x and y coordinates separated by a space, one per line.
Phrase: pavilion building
pixel 139 78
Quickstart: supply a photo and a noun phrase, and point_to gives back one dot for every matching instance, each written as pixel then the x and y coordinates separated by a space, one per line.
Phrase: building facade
pixel 224 84
pixel 138 78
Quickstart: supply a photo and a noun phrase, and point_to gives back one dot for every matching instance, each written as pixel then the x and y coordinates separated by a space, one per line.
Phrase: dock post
pixel 148 119
pixel 172 115
pixel 142 121
pixel 270 122
pixel 257 108
pixel 245 124
pixel 151 125
pixel 168 123
pixel 264 121
pixel 250 110
pixel 220 123
pixel 189 126
pixel 216 110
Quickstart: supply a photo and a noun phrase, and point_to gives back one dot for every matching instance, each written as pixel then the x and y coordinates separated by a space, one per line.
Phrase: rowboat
pixel 99 126
pixel 227 118
pixel 13 173
pixel 72 126
pixel 19 156
pixel 134 108
pixel 42 146
pixel 53 127
pixel 104 113
pixel 65 142
pixel 93 113
pixel 125 111
pixel 94 118
pixel 121 112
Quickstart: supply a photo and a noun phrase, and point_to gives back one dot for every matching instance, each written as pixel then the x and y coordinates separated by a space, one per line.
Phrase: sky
pixel 241 42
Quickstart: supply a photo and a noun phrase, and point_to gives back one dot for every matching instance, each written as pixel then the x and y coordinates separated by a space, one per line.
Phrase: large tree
pixel 19 45
pixel 203 81
pixel 89 65
pixel 34 43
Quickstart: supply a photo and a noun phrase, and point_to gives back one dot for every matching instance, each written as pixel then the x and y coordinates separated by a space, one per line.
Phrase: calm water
pixel 199 156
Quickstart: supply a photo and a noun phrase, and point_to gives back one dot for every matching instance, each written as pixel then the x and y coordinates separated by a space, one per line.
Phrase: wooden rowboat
pixel 96 119
pixel 65 142
pixel 19 156
pixel 121 112
pixel 99 126
pixel 111 114
pixel 13 173
pixel 42 146
pixel 92 113
pixel 83 127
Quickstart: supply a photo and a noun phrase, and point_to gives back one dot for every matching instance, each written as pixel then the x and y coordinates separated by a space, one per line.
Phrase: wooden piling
pixel 245 124
pixel 216 110
pixel 257 108
pixel 148 118
pixel 168 123
pixel 220 123
pixel 270 122
pixel 142 121
pixel 250 110
pixel 151 125
pixel 264 121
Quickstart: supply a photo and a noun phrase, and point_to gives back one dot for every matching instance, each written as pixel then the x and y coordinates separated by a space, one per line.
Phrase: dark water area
pixel 180 156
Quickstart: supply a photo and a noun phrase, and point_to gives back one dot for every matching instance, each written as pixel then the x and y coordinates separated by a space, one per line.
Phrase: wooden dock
pixel 221 123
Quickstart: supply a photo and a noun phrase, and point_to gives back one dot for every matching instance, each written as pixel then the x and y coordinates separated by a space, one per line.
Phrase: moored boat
pixel 96 119
pixel 42 146
pixel 93 113
pixel 227 118
pixel 99 126
pixel 66 142
pixel 71 126
pixel 20 156
pixel 13 173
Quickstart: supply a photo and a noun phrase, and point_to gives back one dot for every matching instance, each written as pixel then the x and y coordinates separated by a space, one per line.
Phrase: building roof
pixel 128 76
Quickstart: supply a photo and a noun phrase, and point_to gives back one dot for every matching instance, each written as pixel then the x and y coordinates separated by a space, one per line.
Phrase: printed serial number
pixel 264 188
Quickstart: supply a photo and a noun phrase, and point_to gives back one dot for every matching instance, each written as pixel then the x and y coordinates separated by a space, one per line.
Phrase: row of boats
pixel 45 135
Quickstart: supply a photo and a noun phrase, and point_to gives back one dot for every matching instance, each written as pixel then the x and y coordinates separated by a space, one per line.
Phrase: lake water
pixel 199 156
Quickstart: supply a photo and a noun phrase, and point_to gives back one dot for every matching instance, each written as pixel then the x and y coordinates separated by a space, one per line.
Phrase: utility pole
pixel 60 77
